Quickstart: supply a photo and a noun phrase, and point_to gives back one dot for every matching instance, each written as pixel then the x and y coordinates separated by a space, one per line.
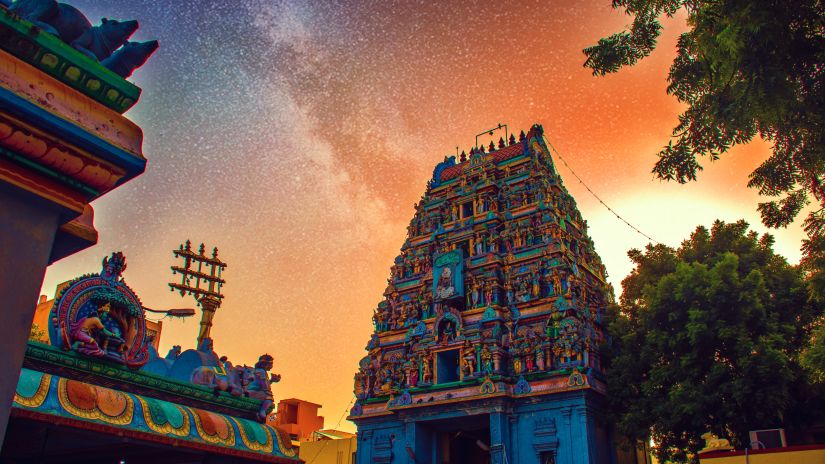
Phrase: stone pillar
pixel 29 228
pixel 500 438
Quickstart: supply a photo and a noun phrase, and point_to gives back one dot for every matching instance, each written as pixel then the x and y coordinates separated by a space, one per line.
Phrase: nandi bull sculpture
pixel 229 378
pixel 253 382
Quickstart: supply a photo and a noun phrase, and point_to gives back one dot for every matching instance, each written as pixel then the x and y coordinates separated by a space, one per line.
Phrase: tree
pixel 813 358
pixel 707 338
pixel 743 68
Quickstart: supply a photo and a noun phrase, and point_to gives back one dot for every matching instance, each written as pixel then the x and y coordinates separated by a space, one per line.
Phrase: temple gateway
pixel 485 343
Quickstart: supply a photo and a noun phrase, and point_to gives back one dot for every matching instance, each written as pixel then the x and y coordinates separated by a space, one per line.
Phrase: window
pixel 467 209
pixel 464 245
pixel 547 457
pixel 447 366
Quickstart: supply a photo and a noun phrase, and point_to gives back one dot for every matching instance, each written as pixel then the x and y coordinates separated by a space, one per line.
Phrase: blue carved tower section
pixel 485 344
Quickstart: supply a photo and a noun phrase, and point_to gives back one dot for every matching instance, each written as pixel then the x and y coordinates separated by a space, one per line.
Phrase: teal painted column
pixel 500 438
pixel 418 444
pixel 566 447
pixel 587 446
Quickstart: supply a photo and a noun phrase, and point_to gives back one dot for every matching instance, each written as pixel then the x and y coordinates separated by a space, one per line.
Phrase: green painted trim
pixel 69 364
pixel 512 160
pixel 64 179
pixel 529 253
pixel 517 177
pixel 58 59
pixel 410 283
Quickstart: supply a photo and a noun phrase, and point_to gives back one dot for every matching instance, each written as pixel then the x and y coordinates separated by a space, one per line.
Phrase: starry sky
pixel 296 137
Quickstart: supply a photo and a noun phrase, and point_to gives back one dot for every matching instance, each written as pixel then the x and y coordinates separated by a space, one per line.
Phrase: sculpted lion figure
pixel 714 443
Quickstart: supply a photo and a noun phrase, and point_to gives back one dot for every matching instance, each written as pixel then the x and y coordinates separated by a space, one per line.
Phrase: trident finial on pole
pixel 208 282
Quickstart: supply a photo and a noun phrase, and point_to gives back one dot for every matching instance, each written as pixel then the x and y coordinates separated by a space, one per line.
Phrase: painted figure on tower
pixel 494 304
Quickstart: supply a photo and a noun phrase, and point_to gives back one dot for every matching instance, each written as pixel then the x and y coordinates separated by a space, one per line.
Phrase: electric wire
pixel 596 196
pixel 556 152
pixel 346 411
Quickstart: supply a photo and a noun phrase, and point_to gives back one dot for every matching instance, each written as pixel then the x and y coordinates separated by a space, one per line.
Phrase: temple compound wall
pixel 485 346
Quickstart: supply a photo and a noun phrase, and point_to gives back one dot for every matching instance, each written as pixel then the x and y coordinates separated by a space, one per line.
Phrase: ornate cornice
pixel 70 365
pixel 54 96
pixel 51 55
pixel 72 165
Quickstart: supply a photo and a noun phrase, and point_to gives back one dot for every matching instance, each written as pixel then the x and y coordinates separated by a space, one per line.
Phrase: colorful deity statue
pixel 540 357
pixel 486 360
pixel 535 290
pixel 99 315
pixel 411 369
pixel 380 319
pixel 475 293
pixel 508 292
pixel 529 356
pixel 557 286
pixel 469 359
pixel 426 370
pixel 488 293
pixel 89 336
pixel 448 331
pixel 260 383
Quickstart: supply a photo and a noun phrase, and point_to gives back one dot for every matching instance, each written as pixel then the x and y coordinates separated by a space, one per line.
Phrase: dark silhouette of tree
pixel 708 337
pixel 744 68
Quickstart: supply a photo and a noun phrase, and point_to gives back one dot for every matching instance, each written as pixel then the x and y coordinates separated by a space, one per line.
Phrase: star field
pixel 296 137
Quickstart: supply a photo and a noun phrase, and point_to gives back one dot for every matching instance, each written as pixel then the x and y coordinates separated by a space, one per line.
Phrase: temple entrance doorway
pixel 464 440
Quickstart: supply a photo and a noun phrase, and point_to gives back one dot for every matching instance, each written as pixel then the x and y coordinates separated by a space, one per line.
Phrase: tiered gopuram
pixel 486 342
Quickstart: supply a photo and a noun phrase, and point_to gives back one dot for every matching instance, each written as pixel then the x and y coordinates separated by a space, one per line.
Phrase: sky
pixel 296 137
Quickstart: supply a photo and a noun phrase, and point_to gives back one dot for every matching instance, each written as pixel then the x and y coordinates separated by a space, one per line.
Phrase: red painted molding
pixel 787 449
pixel 95 427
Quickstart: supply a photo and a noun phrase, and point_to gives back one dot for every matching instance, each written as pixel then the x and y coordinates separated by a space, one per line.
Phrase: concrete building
pixel 298 418
pixel 329 447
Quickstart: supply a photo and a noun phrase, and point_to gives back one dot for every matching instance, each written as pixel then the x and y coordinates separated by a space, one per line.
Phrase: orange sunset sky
pixel 296 138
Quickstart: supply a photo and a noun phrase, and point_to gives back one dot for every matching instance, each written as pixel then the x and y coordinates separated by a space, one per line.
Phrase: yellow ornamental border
pixel 288 451
pixel 125 418
pixel 253 444
pixel 166 428
pixel 39 397
pixel 214 439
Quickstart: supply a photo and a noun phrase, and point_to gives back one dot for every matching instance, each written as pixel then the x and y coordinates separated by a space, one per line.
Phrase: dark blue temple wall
pixel 567 424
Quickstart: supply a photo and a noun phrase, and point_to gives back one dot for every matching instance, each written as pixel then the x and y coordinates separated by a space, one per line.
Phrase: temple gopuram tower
pixel 486 342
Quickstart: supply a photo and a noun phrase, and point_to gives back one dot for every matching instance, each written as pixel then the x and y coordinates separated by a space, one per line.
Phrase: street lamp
pixel 174 312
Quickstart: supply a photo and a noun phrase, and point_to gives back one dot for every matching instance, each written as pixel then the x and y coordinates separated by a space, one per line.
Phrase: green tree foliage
pixel 707 338
pixel 813 358
pixel 744 68
pixel 37 334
